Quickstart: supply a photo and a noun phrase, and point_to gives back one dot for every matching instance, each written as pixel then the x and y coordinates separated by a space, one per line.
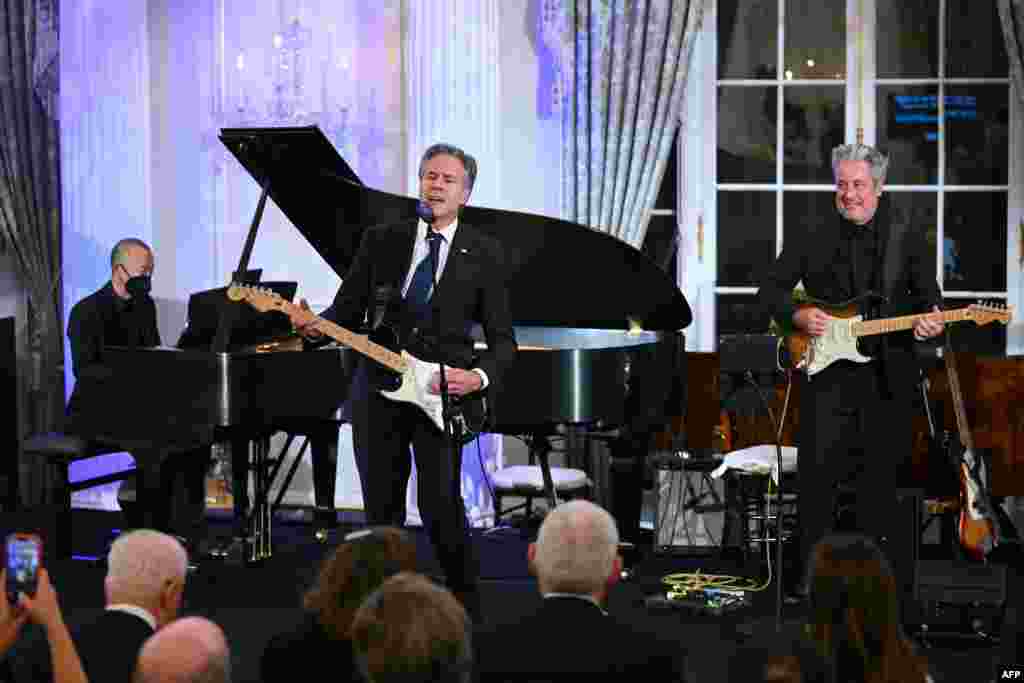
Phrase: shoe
pixel 795 595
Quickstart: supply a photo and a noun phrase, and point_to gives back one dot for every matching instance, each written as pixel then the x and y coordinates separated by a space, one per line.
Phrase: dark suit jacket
pixel 472 288
pixel 907 280
pixel 310 647
pixel 569 635
pixel 108 646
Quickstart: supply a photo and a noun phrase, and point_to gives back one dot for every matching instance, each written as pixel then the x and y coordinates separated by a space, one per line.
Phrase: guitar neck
pixel 361 344
pixel 866 328
pixel 966 440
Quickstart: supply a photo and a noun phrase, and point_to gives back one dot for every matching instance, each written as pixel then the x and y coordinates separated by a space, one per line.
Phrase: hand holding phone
pixel 23 559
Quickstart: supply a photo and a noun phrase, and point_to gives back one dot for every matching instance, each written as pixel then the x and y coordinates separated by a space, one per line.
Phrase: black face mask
pixel 138 286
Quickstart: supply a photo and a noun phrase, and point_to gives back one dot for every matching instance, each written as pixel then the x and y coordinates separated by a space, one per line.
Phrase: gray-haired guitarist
pixel 855 413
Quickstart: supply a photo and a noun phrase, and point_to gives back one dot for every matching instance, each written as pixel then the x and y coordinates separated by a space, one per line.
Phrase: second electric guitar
pixel 412 375
pixel 800 351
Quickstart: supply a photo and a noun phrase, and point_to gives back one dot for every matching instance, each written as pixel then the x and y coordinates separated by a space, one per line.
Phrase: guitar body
pixel 412 385
pixel 974 528
pixel 811 355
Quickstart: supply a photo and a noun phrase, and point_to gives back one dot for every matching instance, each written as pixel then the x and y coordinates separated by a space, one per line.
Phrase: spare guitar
pixel 983 528
pixel 975 527
pixel 798 350
pixel 410 376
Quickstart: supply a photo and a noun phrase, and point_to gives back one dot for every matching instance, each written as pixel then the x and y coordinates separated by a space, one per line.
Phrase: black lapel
pixel 462 246
pixel 408 232
pixel 890 244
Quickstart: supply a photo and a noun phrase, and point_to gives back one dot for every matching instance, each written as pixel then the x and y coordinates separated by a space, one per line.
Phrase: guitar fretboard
pixel 360 343
pixel 866 328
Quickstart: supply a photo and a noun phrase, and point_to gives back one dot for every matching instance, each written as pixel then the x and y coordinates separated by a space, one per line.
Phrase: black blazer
pixel 569 636
pixel 473 288
pixel 309 645
pixel 907 280
pixel 108 646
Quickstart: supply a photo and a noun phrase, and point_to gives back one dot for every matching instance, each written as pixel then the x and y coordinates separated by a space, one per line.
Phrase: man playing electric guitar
pixel 855 418
pixel 434 327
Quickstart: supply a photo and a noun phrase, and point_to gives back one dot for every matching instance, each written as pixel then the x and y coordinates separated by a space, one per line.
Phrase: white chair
pixel 537 480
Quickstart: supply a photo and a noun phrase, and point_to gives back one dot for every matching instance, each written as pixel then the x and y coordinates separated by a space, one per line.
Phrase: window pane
pixel 669 182
pixel 975 47
pixel 746 236
pixel 974 249
pixel 748 38
pixel 739 314
pixel 907 39
pixel 983 340
pixel 746 134
pixel 908 132
pixel 977 134
pixel 807 208
pixel 815 39
pixel 813 117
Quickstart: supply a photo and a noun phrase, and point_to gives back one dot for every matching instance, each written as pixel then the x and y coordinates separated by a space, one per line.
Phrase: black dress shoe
pixel 795 595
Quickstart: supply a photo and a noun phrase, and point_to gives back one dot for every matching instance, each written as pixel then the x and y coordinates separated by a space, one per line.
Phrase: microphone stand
pixel 446 415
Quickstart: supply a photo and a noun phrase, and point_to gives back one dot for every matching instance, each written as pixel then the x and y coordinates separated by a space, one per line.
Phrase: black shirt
pixel 859 248
pixel 100 320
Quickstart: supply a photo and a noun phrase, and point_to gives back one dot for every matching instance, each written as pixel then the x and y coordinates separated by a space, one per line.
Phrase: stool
pixel 755 467
pixel 59 450
pixel 532 481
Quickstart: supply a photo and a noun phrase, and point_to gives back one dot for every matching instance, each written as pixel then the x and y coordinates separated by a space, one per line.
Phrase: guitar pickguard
pixel 838 343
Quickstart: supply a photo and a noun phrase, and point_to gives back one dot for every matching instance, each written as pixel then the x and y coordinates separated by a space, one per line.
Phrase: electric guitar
pixel 976 527
pixel 410 376
pixel 798 350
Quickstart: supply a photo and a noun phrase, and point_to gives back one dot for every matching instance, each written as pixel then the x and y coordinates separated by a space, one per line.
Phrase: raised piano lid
pixel 562 274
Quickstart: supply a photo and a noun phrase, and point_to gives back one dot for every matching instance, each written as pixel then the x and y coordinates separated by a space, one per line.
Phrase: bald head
pixel 189 650
pixel 576 550
pixel 147 568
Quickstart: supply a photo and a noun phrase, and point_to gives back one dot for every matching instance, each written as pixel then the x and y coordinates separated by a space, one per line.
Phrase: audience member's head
pixel 779 658
pixel 355 569
pixel 411 629
pixel 191 650
pixel 147 569
pixel 855 612
pixel 576 551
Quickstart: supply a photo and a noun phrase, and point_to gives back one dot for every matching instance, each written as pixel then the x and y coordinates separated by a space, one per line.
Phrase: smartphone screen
pixel 24 555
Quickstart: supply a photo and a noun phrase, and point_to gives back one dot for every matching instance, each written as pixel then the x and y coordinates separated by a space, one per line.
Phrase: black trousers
pixel 854 437
pixel 382 431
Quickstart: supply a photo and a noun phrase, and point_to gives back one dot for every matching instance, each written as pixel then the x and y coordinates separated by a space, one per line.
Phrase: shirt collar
pixel 140 612
pixel 448 233
pixel 578 596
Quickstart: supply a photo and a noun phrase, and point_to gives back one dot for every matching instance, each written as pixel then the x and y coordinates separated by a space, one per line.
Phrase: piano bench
pixel 59 450
pixel 527 481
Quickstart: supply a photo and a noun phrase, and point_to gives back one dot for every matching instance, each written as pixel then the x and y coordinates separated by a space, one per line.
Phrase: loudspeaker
pixel 9 417
pixel 690 510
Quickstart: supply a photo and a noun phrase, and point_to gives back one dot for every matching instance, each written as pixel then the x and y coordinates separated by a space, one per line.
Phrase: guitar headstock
pixel 983 314
pixel 261 299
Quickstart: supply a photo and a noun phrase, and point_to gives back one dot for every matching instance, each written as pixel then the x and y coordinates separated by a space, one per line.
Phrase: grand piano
pixel 599 325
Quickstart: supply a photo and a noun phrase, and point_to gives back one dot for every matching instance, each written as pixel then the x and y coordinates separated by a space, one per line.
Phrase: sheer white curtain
pixel 623 74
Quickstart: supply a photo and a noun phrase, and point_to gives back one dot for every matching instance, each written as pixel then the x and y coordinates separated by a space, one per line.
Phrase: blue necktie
pixel 422 279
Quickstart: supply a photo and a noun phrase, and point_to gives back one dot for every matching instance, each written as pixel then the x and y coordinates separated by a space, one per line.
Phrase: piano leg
pixel 240 485
pixel 324 447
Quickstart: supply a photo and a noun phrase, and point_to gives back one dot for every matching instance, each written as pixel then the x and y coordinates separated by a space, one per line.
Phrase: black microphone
pixel 425 212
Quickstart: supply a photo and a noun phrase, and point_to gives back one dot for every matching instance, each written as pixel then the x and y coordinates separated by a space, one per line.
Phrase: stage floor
pixel 252 603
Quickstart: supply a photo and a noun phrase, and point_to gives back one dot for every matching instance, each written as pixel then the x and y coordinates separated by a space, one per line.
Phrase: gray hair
pixel 878 162
pixel 120 251
pixel 141 563
pixel 468 162
pixel 576 548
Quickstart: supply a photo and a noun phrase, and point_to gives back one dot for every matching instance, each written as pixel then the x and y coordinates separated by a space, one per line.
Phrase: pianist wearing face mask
pixel 122 313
